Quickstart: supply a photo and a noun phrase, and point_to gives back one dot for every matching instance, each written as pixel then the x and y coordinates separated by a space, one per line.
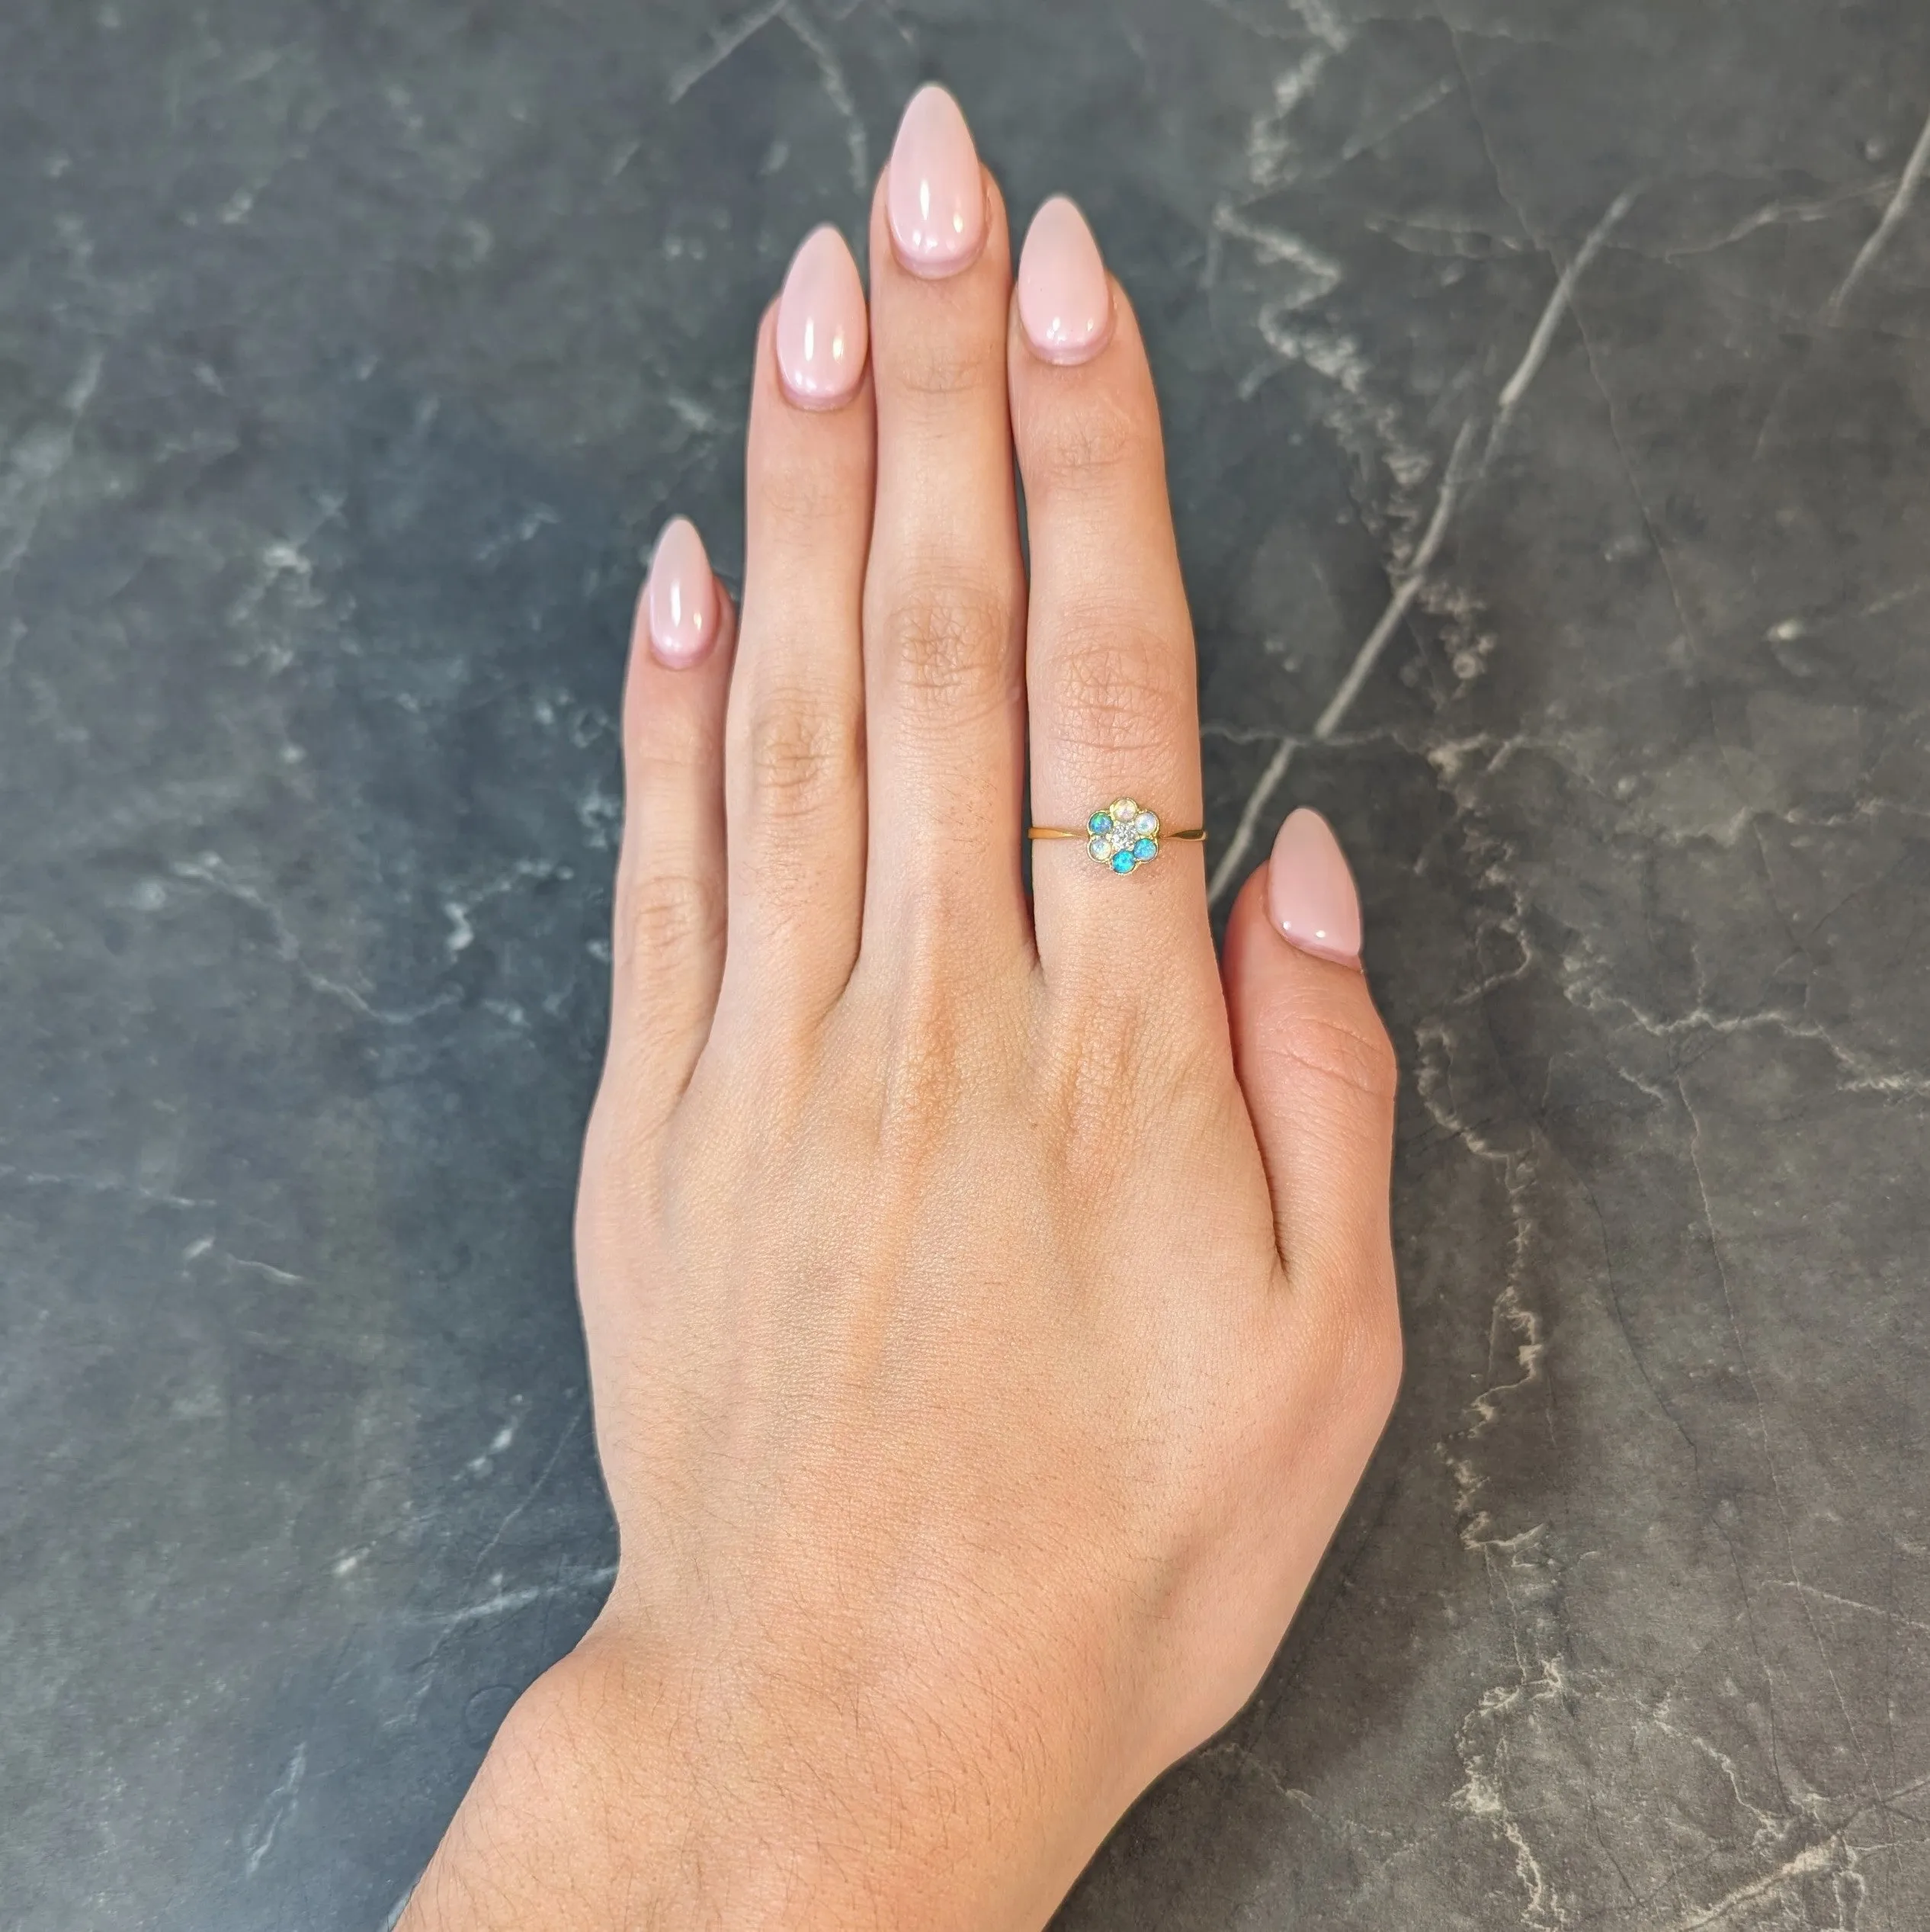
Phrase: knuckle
pixel 667 910
pixel 1353 1305
pixel 1371 1352
pixel 1351 1051
pixel 1084 1080
pixel 799 750
pixel 939 364
pixel 666 747
pixel 1346 1311
pixel 800 495
pixel 807 488
pixel 1093 1076
pixel 1082 442
pixel 1118 689
pixel 945 644
pixel 923 1078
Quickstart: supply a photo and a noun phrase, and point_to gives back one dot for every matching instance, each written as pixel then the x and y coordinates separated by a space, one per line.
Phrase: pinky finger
pixel 668 944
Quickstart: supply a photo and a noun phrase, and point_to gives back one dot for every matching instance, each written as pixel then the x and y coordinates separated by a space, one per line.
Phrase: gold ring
pixel 1122 836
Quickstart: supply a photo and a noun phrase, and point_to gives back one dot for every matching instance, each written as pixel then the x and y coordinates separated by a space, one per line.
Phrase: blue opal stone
pixel 1123 862
pixel 1099 822
pixel 1145 849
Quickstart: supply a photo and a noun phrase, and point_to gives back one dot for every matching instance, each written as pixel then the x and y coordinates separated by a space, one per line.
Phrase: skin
pixel 990 1301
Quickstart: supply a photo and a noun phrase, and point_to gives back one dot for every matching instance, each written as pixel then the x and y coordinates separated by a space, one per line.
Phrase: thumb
pixel 1316 1065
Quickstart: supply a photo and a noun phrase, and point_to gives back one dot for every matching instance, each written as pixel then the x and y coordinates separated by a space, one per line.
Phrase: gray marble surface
pixel 1573 357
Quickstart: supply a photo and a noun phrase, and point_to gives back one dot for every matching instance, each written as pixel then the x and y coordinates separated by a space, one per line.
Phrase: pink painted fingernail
pixel 680 597
pixel 1065 301
pixel 822 334
pixel 935 198
pixel 1310 890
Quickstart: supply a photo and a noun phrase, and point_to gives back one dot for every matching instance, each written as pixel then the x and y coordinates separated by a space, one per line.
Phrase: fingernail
pixel 935 198
pixel 1310 890
pixel 821 332
pixel 680 597
pixel 1065 302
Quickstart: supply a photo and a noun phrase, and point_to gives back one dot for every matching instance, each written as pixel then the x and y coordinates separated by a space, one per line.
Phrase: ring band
pixel 1121 836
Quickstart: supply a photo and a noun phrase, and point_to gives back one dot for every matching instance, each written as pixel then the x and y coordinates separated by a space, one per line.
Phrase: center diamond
pixel 1122 836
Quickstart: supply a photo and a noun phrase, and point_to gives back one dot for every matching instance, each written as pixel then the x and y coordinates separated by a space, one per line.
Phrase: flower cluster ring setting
pixel 1122 836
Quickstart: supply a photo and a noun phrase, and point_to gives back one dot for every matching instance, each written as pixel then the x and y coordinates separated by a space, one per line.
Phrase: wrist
pixel 575 1799
pixel 635 1790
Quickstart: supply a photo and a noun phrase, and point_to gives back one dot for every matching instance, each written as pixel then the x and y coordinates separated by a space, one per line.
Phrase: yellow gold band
pixel 1058 832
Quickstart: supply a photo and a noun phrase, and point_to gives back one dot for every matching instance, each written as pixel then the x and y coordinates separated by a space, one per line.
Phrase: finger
pixel 945 596
pixel 667 942
pixel 794 779
pixel 1316 1066
pixel 1109 665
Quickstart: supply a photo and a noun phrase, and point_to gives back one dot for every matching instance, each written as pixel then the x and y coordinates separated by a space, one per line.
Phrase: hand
pixel 990 1304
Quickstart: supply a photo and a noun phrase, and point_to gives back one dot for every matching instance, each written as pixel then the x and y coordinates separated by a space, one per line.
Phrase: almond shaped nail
pixel 934 198
pixel 822 331
pixel 1065 301
pixel 680 597
pixel 1310 893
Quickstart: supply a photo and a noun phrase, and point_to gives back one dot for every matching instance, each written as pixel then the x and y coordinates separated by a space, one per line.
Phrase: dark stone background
pixel 350 355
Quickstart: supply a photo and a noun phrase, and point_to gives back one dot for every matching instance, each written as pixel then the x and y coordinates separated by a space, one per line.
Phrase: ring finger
pixel 1110 668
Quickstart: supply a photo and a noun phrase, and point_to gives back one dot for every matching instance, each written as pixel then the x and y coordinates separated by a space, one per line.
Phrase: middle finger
pixel 944 595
